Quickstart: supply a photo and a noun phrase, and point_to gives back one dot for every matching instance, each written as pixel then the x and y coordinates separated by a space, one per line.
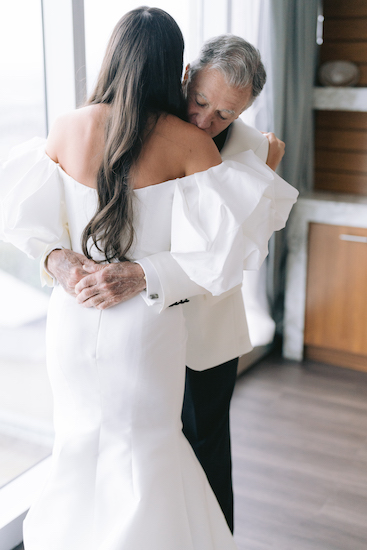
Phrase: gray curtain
pixel 287 41
pixel 294 57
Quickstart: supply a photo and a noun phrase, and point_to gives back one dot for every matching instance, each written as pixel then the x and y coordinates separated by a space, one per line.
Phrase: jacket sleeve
pixel 167 282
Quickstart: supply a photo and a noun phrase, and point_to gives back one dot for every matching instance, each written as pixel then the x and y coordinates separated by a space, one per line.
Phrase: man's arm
pixel 104 286
pixel 95 285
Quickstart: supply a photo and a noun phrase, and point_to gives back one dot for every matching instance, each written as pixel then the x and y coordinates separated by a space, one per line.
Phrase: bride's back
pixel 172 149
pixel 124 138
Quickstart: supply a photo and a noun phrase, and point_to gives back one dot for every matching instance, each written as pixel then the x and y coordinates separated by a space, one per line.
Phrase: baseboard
pixel 336 357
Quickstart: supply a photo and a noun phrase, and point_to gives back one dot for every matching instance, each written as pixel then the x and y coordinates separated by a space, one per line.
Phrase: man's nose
pixel 204 121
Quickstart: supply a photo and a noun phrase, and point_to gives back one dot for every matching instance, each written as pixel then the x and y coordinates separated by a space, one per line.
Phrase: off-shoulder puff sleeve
pixel 32 206
pixel 223 218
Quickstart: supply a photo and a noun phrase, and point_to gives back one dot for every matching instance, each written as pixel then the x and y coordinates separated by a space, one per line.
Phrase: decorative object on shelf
pixel 339 73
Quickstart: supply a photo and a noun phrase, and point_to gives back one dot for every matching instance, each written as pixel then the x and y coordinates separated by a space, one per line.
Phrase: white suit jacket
pixel 217 326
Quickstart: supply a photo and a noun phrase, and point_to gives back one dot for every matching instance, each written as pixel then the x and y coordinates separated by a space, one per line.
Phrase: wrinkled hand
pixel 110 285
pixel 276 150
pixel 68 268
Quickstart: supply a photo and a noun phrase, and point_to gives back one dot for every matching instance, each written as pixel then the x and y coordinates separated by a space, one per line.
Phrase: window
pixel 25 398
pixel 22 104
pixel 25 401
pixel 98 29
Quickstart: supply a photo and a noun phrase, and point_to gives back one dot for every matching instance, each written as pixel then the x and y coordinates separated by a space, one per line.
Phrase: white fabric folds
pixel 226 214
pixel 222 219
pixel 32 213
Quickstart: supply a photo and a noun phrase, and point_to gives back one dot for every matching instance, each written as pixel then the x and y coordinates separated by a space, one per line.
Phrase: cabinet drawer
pixel 336 296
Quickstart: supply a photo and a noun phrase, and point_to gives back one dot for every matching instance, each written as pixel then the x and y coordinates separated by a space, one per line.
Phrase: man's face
pixel 212 104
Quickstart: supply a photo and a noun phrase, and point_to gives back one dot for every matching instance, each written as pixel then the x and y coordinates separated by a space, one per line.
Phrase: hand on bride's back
pixel 95 285
pixel 109 284
pixel 68 268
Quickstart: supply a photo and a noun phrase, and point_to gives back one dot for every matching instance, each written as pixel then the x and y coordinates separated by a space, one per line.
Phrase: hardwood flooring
pixel 299 440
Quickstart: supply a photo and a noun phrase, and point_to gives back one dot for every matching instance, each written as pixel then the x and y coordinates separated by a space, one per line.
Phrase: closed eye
pixel 200 104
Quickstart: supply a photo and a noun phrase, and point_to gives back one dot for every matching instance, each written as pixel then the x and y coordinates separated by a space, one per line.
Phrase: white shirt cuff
pixel 153 294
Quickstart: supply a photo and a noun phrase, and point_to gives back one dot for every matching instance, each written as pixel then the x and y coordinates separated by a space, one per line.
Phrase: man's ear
pixel 186 74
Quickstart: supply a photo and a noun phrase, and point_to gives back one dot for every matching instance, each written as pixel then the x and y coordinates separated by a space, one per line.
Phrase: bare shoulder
pixel 199 150
pixel 56 136
pixel 76 142
pixel 185 132
pixel 82 126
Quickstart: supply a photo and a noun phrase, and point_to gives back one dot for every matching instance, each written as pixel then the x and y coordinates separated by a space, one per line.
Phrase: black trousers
pixel 205 417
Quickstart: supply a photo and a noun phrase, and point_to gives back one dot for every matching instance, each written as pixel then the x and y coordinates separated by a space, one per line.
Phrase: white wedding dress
pixel 123 475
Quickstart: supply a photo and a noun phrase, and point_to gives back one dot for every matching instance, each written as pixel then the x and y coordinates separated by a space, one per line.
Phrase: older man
pixel 220 85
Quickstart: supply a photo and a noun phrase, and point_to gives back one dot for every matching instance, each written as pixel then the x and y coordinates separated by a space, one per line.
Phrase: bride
pixel 122 178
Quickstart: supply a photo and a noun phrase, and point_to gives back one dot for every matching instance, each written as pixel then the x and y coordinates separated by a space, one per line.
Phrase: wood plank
pixel 341 119
pixel 336 160
pixel 337 357
pixel 347 140
pixel 363 74
pixel 349 51
pixel 341 182
pixel 345 29
pixel 345 8
pixel 336 308
pixel 299 446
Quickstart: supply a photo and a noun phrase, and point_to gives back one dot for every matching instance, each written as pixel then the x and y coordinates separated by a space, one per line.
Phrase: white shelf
pixel 340 99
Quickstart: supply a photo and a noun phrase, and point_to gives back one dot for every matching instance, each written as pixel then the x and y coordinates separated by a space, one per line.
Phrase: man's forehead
pixel 212 83
pixel 207 100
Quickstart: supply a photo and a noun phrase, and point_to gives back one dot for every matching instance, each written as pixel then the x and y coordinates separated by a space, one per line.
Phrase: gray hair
pixel 238 61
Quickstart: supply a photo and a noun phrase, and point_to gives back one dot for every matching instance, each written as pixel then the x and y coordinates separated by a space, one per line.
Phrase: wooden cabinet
pixel 336 296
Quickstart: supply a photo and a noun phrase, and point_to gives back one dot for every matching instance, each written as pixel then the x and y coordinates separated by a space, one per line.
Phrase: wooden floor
pixel 299 439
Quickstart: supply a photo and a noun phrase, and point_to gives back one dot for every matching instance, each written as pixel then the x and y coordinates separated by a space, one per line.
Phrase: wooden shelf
pixel 340 99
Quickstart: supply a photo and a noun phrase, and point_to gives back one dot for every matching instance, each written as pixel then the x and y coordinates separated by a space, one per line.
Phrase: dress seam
pixel 100 425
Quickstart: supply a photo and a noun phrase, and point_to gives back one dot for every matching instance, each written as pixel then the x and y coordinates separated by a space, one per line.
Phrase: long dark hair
pixel 140 76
